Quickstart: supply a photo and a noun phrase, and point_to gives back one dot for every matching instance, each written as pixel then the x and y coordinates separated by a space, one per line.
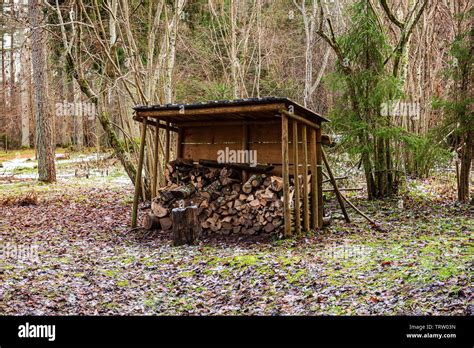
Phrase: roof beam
pixel 210 111
pixel 300 119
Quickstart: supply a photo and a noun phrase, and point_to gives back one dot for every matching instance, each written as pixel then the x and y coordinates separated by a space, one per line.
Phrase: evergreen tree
pixel 457 107
pixel 364 86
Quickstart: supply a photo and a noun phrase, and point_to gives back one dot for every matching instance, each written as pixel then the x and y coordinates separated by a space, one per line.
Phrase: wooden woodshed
pixel 282 133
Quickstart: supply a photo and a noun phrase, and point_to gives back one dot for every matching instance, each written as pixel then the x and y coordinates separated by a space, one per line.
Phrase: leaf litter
pixel 90 263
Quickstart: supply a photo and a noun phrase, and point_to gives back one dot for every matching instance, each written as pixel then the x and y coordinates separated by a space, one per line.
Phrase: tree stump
pixel 186 226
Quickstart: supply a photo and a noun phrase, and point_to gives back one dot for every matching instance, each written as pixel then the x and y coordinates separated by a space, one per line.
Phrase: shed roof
pixel 237 109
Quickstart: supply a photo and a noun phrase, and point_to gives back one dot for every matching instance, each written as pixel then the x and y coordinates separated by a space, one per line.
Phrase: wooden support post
pixel 296 211
pixel 336 189
pixel 303 120
pixel 138 175
pixel 315 193
pixel 167 143
pixel 361 213
pixel 304 139
pixel 319 169
pixel 286 175
pixel 154 178
pixel 245 146
pixel 179 146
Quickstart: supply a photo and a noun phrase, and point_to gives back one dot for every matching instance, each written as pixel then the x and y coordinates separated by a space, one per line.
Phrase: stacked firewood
pixel 225 203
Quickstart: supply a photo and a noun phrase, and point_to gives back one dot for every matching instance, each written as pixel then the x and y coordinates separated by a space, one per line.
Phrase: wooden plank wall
pixel 205 142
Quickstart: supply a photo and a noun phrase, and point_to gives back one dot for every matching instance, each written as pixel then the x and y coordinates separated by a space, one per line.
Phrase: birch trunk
pixel 171 54
pixel 234 59
pixel 77 116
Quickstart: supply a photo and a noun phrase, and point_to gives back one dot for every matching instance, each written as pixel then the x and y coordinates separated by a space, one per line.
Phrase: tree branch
pixel 390 14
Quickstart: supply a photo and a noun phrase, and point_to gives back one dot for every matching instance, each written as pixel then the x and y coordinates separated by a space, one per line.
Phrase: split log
pixel 258 180
pixel 229 176
pixel 158 210
pixel 254 181
pixel 236 187
pixel 180 162
pixel 214 186
pixel 224 204
pixel 183 192
pixel 212 173
pixel 166 196
pixel 269 227
pixel 267 181
pixel 151 222
pixel 276 183
pixel 254 203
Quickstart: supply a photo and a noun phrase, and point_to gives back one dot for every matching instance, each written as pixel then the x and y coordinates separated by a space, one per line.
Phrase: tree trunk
pixel 3 99
pixel 171 54
pixel 24 90
pixel 64 120
pixel 105 122
pixel 77 116
pixel 43 116
pixel 465 170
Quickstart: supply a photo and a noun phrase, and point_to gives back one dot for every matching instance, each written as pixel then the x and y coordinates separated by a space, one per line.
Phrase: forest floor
pixel 72 252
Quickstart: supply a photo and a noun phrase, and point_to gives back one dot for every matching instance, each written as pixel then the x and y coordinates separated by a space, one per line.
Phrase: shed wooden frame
pixel 284 134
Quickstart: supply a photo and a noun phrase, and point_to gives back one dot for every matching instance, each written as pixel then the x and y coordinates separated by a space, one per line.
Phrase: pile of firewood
pixel 225 203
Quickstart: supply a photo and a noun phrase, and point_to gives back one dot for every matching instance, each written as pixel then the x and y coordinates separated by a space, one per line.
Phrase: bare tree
pixel 310 26
pixel 171 51
pixel 236 38
pixel 105 49
pixel 43 116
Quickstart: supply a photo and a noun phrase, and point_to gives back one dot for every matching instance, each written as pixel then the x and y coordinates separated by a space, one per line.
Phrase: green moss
pixel 335 310
pixel 122 283
pixel 129 260
pixel 187 274
pixel 265 270
pixel 111 305
pixel 295 278
pixel 24 170
pixel 243 261
pixel 110 273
